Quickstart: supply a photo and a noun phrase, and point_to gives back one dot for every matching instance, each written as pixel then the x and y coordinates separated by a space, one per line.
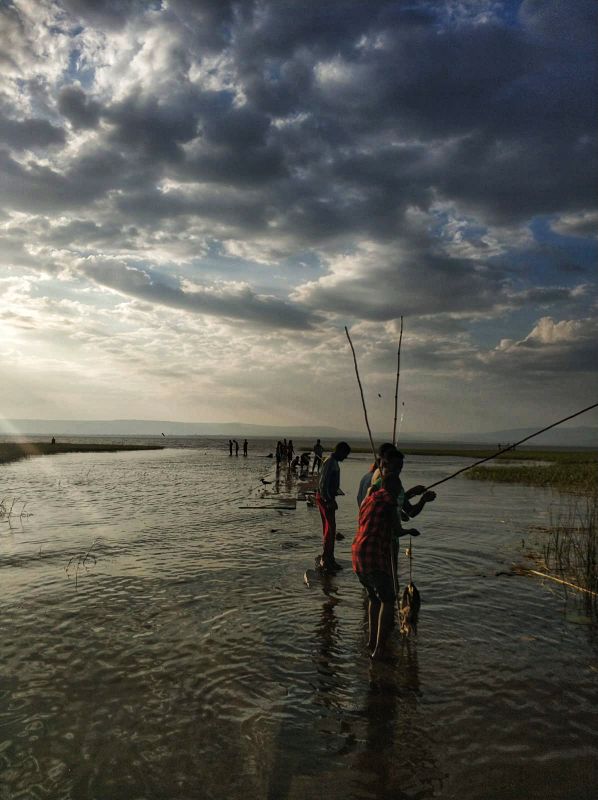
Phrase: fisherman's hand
pixel 414 491
pixel 429 496
pixel 411 532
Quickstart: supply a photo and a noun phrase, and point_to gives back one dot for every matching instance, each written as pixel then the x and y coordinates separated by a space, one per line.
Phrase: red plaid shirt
pixel 371 549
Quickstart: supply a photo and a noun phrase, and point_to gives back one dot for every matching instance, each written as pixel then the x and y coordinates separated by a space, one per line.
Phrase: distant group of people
pixel 383 506
pixel 285 451
pixel 286 454
pixel 233 443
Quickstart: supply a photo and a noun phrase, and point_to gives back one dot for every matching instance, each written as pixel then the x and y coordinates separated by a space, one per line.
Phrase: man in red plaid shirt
pixel 379 524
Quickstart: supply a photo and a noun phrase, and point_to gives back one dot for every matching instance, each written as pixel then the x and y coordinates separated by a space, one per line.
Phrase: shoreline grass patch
pixel 575 472
pixel 15 451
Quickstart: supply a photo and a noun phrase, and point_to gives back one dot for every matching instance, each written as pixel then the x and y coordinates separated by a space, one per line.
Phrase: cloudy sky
pixel 196 196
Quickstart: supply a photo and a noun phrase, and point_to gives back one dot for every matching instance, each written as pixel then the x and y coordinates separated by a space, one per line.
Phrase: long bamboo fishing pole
pixel 394 427
pixel 394 548
pixel 395 579
pixel 365 411
pixel 512 446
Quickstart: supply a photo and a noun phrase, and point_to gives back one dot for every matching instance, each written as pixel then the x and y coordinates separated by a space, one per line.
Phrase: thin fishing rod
pixel 394 427
pixel 365 411
pixel 512 446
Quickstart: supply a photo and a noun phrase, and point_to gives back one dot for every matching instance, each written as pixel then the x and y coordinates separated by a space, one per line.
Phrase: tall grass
pixel 571 547
pixel 566 472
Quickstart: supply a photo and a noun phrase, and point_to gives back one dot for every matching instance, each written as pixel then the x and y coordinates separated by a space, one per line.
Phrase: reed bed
pixel 575 472
pixel 570 548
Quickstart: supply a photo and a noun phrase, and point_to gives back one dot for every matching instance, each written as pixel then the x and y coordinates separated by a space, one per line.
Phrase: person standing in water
pixel 245 445
pixel 230 447
pixel 318 450
pixel 372 554
pixel 328 489
pixel 236 443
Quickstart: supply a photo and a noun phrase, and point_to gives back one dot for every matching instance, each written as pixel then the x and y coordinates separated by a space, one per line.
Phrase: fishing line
pixel 511 446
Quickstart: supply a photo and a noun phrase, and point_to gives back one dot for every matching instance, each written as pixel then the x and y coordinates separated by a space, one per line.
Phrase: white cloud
pixel 583 223
pixel 547 332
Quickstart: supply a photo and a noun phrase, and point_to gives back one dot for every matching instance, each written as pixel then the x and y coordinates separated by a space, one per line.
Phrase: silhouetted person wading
pixel 328 489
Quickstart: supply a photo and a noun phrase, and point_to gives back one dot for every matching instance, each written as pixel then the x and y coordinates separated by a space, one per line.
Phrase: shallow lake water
pixel 158 641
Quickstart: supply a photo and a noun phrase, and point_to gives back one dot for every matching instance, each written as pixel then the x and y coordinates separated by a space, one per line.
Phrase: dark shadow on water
pixel 298 749
pixel 339 747
pixel 397 760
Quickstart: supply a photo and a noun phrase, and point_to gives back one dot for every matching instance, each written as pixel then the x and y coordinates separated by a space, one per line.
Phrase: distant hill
pixel 581 436
pixel 141 427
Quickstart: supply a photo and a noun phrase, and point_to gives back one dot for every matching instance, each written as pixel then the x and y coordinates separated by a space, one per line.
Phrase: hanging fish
pixel 409 610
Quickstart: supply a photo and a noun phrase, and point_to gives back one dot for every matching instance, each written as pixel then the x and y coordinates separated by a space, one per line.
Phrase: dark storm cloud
pixel 79 109
pixel 88 177
pixel 85 235
pixel 29 133
pixel 516 106
pixel 323 124
pixel 383 289
pixel 243 304
pixel 532 358
pixel 495 115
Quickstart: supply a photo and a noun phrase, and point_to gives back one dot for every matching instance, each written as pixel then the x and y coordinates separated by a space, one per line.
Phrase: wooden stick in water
pixel 365 411
pixel 560 580
pixel 394 427
pixel 512 446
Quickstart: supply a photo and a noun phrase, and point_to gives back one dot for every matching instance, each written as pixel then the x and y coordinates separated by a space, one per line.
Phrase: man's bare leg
pixel 385 621
pixel 373 617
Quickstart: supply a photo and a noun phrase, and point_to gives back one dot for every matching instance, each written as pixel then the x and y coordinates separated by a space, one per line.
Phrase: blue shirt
pixel 364 485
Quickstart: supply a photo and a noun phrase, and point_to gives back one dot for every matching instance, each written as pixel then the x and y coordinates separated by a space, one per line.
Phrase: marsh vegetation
pixel 570 546
pixel 14 451
pixel 575 471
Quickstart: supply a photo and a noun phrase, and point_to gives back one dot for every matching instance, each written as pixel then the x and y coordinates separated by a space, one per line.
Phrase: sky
pixel 197 196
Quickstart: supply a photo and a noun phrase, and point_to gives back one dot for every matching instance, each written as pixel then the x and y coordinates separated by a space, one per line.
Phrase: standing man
pixel 245 447
pixel 328 489
pixel 318 450
pixel 236 447
pixel 230 447
pixel 372 553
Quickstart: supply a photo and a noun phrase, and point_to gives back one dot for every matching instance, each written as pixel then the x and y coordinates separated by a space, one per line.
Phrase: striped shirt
pixel 330 479
pixel 371 549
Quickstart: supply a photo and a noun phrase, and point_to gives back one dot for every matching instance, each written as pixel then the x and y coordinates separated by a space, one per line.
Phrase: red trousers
pixel 328 514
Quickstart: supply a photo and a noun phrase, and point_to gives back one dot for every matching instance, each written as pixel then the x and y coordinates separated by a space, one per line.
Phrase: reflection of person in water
pixel 398 757
pixel 296 755
pixel 390 712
